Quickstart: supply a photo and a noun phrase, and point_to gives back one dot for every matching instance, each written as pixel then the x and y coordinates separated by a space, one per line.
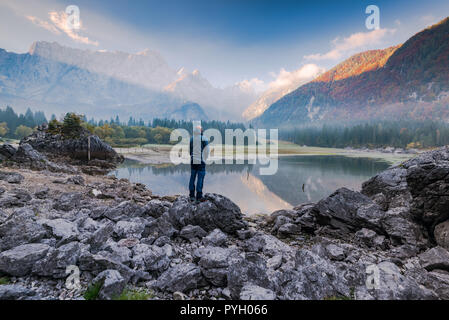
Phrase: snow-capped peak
pixel 144 52
pixel 146 68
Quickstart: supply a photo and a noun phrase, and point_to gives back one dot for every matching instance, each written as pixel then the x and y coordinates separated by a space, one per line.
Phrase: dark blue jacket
pixel 199 155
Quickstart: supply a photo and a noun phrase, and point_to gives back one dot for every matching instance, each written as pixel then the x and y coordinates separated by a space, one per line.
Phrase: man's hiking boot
pixel 192 199
pixel 198 200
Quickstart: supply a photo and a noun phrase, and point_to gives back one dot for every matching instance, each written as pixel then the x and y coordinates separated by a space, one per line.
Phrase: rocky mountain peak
pixel 43 48
pixel 108 83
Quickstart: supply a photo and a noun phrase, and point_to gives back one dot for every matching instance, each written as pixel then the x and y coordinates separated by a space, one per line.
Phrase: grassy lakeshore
pixel 160 153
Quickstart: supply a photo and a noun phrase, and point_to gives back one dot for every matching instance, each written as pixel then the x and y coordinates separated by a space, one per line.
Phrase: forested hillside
pixel 400 134
pixel 406 81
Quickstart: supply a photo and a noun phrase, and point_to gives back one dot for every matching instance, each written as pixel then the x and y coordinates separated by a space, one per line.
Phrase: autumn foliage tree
pixel 23 131
pixel 3 129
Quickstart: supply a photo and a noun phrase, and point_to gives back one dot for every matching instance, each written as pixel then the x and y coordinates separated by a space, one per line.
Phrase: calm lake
pixel 255 193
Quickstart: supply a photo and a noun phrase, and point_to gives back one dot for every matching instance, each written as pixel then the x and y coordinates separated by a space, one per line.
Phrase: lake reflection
pixel 255 193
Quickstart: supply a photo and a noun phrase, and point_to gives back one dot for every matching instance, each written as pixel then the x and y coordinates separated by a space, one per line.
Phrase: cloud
pixel 286 78
pixel 43 24
pixel 58 24
pixel 282 79
pixel 252 85
pixel 284 82
pixel 347 45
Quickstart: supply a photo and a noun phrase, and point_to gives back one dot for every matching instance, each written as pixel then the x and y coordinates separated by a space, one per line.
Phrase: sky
pixel 228 41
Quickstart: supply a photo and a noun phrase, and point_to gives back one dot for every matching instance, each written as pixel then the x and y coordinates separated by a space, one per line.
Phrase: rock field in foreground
pixel 55 215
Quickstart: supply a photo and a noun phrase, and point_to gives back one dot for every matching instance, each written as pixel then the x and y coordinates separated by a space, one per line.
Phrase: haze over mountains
pixel 286 83
pixel 103 84
pixel 406 81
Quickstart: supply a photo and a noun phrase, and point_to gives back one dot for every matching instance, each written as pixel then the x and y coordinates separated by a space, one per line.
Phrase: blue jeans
pixel 200 172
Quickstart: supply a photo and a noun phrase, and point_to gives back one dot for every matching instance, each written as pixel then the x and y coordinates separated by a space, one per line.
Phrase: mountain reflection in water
pixel 255 193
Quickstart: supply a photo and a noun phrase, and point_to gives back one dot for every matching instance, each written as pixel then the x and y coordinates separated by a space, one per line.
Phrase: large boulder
pixel 182 277
pixel 16 292
pixel 113 284
pixel 369 238
pixel 214 263
pixel 437 281
pixel 318 275
pixel 392 284
pixel 101 235
pixel 348 211
pixel 6 151
pixel 216 238
pixel 44 141
pixel 191 233
pixel 435 258
pixel 155 208
pixel 161 226
pixel 390 183
pixel 26 154
pixel 268 245
pixel 247 268
pixel 150 258
pixel 61 229
pixel 20 228
pixel 14 198
pixel 68 201
pixel 57 260
pixel 419 187
pixel 11 177
pixel 252 292
pixel 119 250
pixel 315 277
pixel 124 210
pixel 96 263
pixel 129 229
pixel 345 212
pixel 19 261
pixel 215 212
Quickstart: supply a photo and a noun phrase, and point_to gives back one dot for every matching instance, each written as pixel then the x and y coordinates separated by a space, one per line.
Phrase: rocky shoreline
pixel 390 241
pixel 391 150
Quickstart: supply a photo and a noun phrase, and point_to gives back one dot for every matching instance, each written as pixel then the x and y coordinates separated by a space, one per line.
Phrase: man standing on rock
pixel 199 152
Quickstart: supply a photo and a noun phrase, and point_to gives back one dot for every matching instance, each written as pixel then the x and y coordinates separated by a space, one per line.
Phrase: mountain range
pixel 410 80
pixel 405 81
pixel 58 79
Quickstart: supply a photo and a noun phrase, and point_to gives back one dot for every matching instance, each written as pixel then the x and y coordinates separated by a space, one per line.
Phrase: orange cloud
pixel 58 25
